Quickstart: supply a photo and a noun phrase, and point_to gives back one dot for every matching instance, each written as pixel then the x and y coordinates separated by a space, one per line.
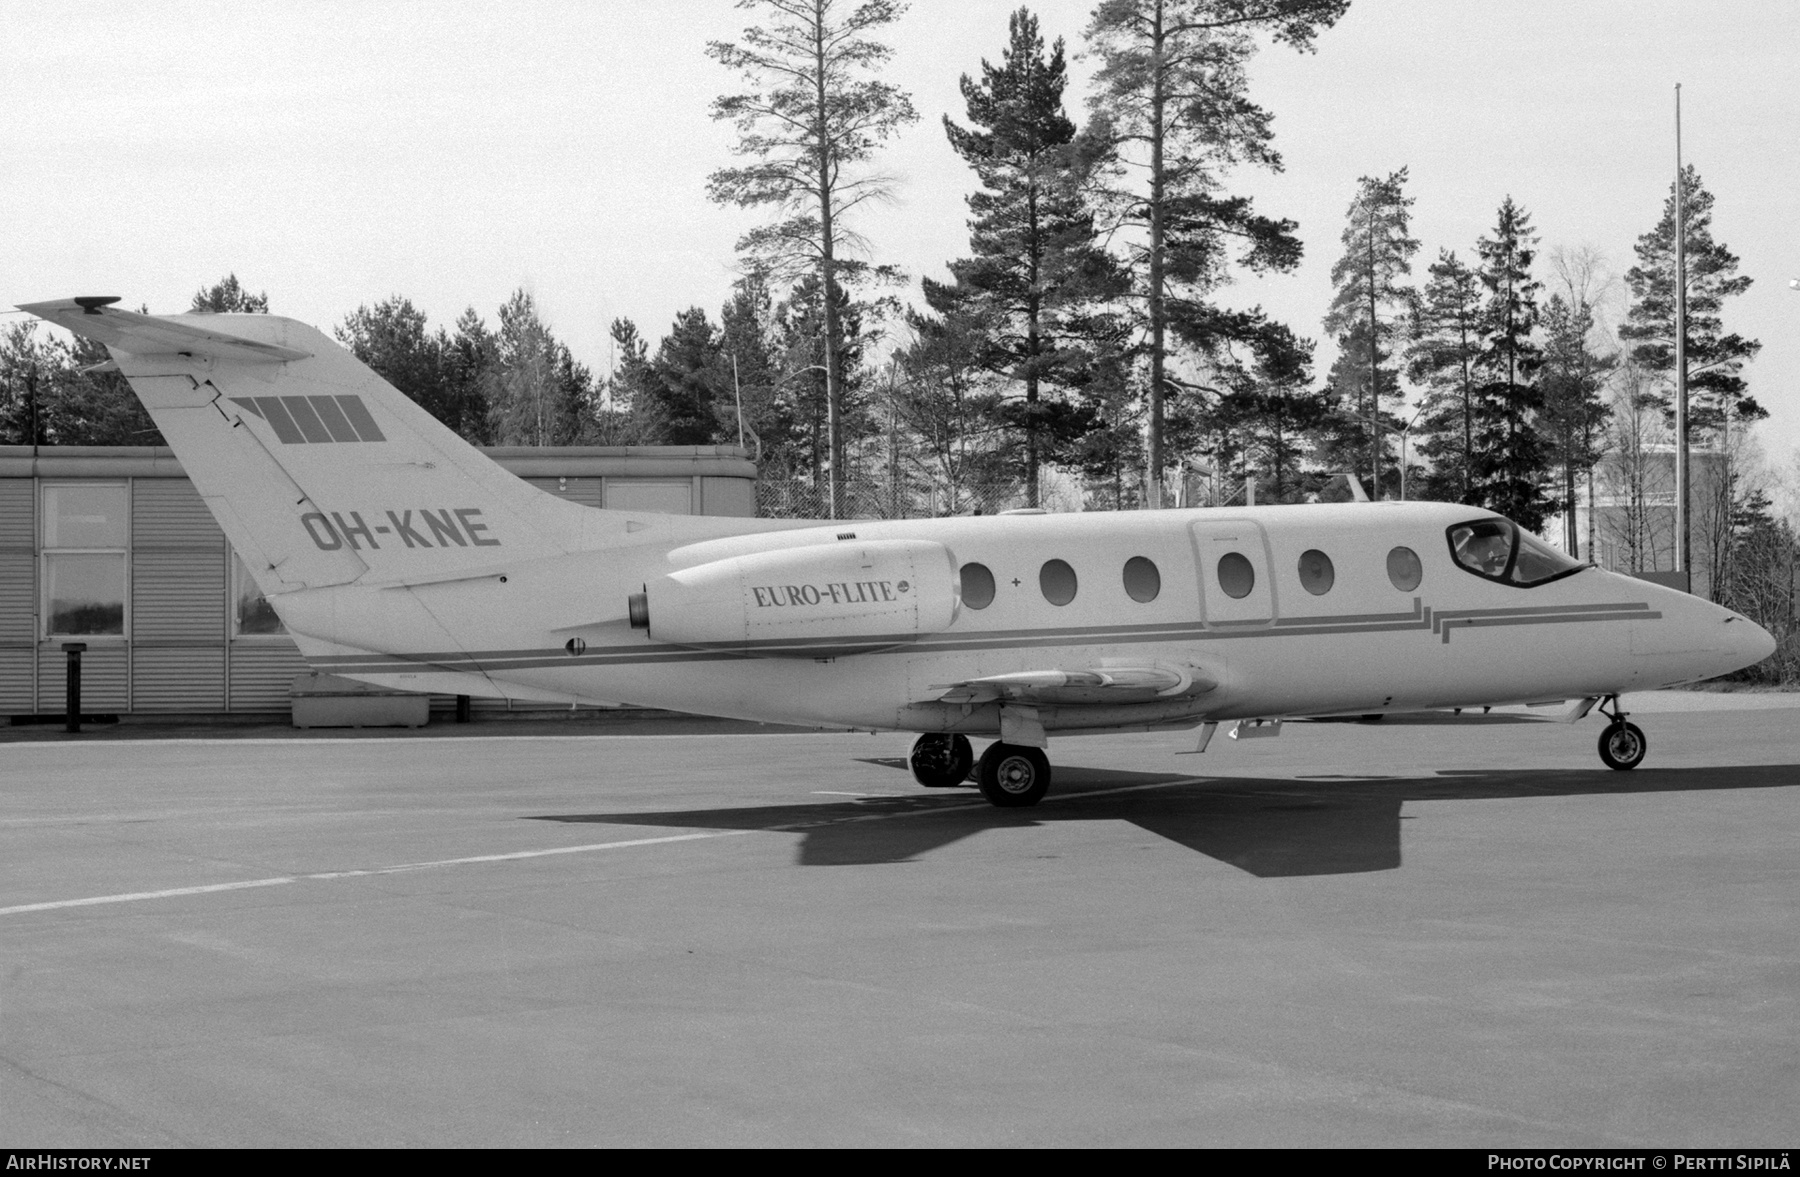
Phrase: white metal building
pixel 113 547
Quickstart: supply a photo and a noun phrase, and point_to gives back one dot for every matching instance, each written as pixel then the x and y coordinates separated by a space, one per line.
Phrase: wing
pixel 1098 685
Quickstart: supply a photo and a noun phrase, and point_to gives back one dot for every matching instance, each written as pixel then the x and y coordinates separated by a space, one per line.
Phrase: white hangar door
pixel 1237 588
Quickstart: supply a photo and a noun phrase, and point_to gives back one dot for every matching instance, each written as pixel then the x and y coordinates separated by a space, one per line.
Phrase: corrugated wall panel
pixel 102 678
pixel 262 673
pixel 585 491
pixel 169 513
pixel 666 496
pixel 728 496
pixel 176 679
pixel 178 596
pixel 16 525
pixel 18 598
pixel 16 688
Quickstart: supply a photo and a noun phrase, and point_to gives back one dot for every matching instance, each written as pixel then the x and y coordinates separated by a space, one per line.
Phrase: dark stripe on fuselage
pixel 1422 618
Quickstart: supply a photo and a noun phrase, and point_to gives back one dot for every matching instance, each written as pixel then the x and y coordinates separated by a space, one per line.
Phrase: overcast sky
pixel 336 153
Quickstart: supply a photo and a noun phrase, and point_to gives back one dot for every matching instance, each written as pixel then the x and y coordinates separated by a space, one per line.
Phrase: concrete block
pixel 323 700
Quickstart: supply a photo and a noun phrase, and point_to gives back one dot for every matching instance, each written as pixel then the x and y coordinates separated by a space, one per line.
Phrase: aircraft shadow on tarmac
pixel 1268 827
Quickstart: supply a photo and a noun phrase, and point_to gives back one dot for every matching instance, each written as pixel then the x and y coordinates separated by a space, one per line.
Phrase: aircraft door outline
pixel 1216 539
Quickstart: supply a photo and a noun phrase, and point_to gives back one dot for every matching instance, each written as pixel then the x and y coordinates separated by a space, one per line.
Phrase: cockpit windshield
pixel 1499 549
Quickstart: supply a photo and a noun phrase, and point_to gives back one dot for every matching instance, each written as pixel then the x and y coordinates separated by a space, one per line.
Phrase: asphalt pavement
pixel 1383 934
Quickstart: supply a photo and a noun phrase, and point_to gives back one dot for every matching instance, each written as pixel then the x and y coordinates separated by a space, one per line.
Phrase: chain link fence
pixel 798 499
pixel 1058 491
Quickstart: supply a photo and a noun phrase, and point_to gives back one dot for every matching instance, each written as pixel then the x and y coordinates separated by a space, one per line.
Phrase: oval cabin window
pixel 1142 580
pixel 1236 575
pixel 1057 580
pixel 1404 569
pixel 1316 574
pixel 977 586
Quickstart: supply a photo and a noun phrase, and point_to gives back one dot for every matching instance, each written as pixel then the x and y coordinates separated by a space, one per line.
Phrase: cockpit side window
pixel 1498 549
pixel 1538 562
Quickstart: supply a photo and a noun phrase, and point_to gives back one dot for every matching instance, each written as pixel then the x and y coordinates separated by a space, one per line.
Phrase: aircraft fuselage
pixel 1351 637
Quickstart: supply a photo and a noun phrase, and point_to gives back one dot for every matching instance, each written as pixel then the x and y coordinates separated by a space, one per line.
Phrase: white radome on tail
pixel 396 553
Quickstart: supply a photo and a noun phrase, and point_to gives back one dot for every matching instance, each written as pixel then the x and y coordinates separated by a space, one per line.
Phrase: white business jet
pixel 397 554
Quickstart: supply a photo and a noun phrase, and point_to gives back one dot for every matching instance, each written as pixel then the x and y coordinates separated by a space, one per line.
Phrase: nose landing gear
pixel 1622 744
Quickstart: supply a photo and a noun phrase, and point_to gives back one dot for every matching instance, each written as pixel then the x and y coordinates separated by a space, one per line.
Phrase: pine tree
pixel 1715 359
pixel 687 388
pixel 747 341
pixel 1112 455
pixel 812 113
pixel 391 338
pixel 51 393
pixel 1271 415
pixel 1574 416
pixel 27 364
pixel 1370 310
pixel 630 412
pixel 1443 355
pixel 1172 107
pixel 1035 262
pixel 945 398
pixel 228 297
pixel 1510 465
pixel 469 364
pixel 806 363
pixel 540 393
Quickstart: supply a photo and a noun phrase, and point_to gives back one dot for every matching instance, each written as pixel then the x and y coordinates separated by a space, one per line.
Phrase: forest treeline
pixel 1080 354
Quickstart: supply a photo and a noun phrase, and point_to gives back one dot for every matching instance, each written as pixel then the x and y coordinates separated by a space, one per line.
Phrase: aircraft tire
pixel 1622 745
pixel 941 762
pixel 1013 776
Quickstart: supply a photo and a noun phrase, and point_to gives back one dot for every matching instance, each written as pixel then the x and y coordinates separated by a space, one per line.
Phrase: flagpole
pixel 1683 547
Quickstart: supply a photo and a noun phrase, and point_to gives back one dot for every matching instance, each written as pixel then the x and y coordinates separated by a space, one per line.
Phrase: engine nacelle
pixel 819 601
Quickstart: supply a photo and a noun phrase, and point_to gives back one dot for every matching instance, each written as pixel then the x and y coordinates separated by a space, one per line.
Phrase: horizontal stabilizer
pixel 147 335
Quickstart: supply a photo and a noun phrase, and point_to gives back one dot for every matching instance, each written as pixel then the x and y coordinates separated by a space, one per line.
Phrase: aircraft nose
pixel 1749 641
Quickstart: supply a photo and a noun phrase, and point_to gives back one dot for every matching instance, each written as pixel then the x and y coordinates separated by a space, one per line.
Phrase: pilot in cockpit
pixel 1483 548
pixel 1488 553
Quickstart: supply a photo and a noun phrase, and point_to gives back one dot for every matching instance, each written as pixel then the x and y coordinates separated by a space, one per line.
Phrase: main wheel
pixel 1013 776
pixel 941 762
pixel 1622 745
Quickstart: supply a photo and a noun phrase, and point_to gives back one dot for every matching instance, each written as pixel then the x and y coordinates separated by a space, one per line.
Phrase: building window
pixel 86 526
pixel 251 614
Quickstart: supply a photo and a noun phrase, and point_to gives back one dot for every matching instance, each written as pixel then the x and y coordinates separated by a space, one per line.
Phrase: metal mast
pixel 1683 548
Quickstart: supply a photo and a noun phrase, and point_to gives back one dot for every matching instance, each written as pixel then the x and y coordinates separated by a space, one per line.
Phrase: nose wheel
pixel 1622 744
pixel 940 761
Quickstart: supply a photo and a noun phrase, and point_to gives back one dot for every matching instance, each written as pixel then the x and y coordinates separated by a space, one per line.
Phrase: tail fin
pixel 320 472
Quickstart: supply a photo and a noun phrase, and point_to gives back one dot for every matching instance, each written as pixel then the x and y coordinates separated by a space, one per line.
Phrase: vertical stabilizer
pixel 320 472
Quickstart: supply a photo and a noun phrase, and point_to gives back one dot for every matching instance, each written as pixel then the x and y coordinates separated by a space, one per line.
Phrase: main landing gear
pixel 1010 775
pixel 1622 744
pixel 1013 775
pixel 941 762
